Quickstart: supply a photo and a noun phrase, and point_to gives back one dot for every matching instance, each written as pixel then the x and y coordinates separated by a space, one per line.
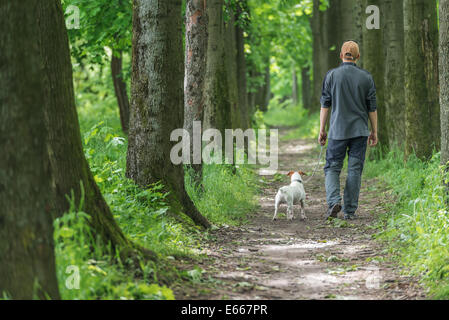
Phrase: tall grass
pixel 417 221
pixel 227 195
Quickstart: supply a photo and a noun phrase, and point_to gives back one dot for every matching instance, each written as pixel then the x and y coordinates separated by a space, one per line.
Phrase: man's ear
pixel 302 173
pixel 290 173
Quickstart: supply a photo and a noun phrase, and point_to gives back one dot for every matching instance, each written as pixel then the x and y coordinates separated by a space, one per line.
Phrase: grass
pixel 416 226
pixel 285 115
pixel 87 269
pixel 229 196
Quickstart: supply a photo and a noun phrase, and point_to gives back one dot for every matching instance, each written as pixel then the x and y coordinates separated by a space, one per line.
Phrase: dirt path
pixel 302 260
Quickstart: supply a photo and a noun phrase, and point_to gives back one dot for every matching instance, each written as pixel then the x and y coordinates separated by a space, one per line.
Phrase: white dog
pixel 291 195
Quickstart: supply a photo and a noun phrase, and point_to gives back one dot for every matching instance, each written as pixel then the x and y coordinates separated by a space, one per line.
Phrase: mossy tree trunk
pixel 217 113
pixel 321 50
pixel 195 74
pixel 157 100
pixel 444 82
pixel 241 71
pixel 27 262
pixel 394 98
pixel 231 68
pixel 343 25
pixel 374 62
pixel 423 131
pixel 68 164
pixel 120 89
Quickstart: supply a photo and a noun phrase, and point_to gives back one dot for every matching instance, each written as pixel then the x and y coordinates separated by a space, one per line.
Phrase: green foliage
pixel 279 35
pixel 103 23
pixel 417 222
pixel 79 256
pixel 284 114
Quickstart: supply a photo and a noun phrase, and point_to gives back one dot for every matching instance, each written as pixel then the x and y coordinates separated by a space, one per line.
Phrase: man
pixel 351 93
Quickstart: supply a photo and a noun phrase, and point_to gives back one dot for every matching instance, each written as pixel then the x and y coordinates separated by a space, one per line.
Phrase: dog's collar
pixel 300 181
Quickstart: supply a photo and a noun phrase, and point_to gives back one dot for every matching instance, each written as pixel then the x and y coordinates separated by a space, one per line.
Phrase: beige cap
pixel 350 50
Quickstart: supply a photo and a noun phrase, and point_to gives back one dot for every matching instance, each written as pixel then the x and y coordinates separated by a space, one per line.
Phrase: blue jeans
pixel 335 156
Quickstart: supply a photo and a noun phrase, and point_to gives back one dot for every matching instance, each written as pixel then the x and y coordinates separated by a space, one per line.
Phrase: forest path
pixel 311 259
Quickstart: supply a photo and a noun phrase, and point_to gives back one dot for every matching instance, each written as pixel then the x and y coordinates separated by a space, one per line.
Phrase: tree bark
pixel 217 107
pixel 306 89
pixel 157 100
pixel 27 262
pixel 195 74
pixel 444 82
pixel 241 74
pixel 374 62
pixel 295 95
pixel 231 69
pixel 321 50
pixel 68 163
pixel 421 77
pixel 344 25
pixel 394 97
pixel 120 89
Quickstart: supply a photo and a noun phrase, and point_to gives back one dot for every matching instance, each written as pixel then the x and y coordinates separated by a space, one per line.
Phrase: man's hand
pixel 373 139
pixel 322 138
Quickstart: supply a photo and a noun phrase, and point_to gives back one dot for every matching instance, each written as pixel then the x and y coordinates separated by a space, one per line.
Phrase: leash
pixel 317 165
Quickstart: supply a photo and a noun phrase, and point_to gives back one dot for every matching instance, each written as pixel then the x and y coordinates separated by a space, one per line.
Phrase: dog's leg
pixel 303 213
pixel 290 213
pixel 276 206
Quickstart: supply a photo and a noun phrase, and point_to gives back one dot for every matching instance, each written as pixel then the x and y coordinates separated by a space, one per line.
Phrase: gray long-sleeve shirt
pixel 351 93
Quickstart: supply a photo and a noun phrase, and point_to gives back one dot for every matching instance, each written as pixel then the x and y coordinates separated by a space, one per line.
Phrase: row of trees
pixel 43 161
pixel 403 57
pixel 42 158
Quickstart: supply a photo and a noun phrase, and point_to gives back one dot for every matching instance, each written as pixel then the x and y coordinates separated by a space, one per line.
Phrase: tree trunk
pixel 321 50
pixel 231 69
pixel 68 163
pixel 217 107
pixel 394 98
pixel 27 262
pixel 374 62
pixel 265 96
pixel 444 82
pixel 195 74
pixel 295 95
pixel 306 89
pixel 157 100
pixel 344 25
pixel 241 74
pixel 421 77
pixel 120 89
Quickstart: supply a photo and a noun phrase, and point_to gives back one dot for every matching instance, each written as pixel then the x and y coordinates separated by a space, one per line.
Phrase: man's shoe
pixel 333 211
pixel 350 216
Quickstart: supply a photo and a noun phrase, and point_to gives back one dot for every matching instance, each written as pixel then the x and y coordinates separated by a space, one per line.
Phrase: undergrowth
pixel 417 221
pixel 87 269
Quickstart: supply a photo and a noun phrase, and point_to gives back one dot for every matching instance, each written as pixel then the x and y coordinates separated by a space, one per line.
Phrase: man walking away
pixel 351 93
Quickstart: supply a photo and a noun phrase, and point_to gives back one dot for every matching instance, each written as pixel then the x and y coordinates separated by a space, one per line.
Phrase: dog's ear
pixel 290 173
pixel 302 173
